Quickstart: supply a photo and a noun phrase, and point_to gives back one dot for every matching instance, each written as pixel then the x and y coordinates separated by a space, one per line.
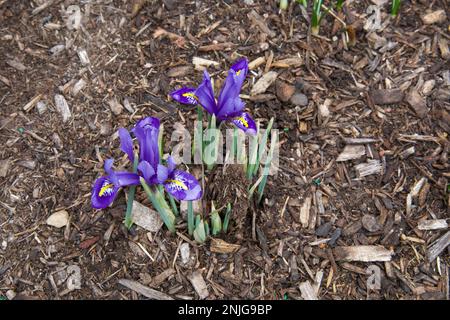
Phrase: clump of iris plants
pixel 227 108
pixel 149 171
pixel 162 181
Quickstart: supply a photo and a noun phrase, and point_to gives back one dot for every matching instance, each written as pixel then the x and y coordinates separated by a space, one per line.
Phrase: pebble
pixel 41 107
pixel 58 219
pixel 323 229
pixel 299 99
pixel 437 16
pixel 145 218
pixel 335 236
pixel 284 91
pixel 185 253
pixel 370 223
pixel 115 106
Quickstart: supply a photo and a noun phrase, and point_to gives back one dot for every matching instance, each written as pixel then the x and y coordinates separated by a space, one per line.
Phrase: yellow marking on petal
pixel 243 121
pixel 189 95
pixel 105 188
pixel 179 183
pixel 238 72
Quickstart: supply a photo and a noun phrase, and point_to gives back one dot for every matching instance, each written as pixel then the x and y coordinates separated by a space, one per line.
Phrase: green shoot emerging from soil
pixel 316 17
pixel 395 7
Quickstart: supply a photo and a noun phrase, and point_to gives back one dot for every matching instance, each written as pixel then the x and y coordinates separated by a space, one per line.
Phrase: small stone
pixel 57 141
pixel 105 129
pixel 145 218
pixel 56 50
pixel 428 86
pixel 299 99
pixel 4 167
pixel 170 4
pixel 437 16
pixel 84 58
pixel 58 219
pixel 10 294
pixel 284 91
pixel 73 17
pixel 63 107
pixel 41 107
pixel 324 229
pixel 417 103
pixel 115 106
pixel 335 236
pixel 324 111
pixel 370 223
pixel 386 96
pixel 185 253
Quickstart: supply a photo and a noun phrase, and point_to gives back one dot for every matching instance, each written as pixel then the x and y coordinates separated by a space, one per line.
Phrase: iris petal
pixel 205 94
pixel 183 186
pixel 147 170
pixel 185 95
pixel 126 143
pixel 245 122
pixel 103 193
pixel 231 108
pixel 162 174
pixel 147 131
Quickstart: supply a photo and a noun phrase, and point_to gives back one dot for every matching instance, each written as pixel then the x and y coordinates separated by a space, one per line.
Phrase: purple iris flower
pixel 105 188
pixel 180 184
pixel 228 107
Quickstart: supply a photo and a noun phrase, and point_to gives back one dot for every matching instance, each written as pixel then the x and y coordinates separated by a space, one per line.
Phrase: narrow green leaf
pixel 160 205
pixel 226 219
pixel 190 216
pixel 131 195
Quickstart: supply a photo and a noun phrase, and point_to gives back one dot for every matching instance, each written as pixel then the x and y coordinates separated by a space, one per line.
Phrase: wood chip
pixel 368 168
pixel 435 250
pixel 62 107
pixel 307 291
pixel 4 167
pixel 32 103
pixel 432 224
pixel 199 284
pixel 417 103
pixel 288 63
pixel 304 212
pixel 362 253
pixel 221 246
pixel 180 71
pixel 16 65
pixel 264 83
pixel 386 96
pixel 160 278
pixel 201 63
pixel 256 63
pixel 145 291
pixel 259 21
pixel 115 106
pixel 351 152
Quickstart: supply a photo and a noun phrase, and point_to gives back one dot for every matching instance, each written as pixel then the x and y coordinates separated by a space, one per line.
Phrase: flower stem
pixel 190 218
pixel 160 204
pixel 131 194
